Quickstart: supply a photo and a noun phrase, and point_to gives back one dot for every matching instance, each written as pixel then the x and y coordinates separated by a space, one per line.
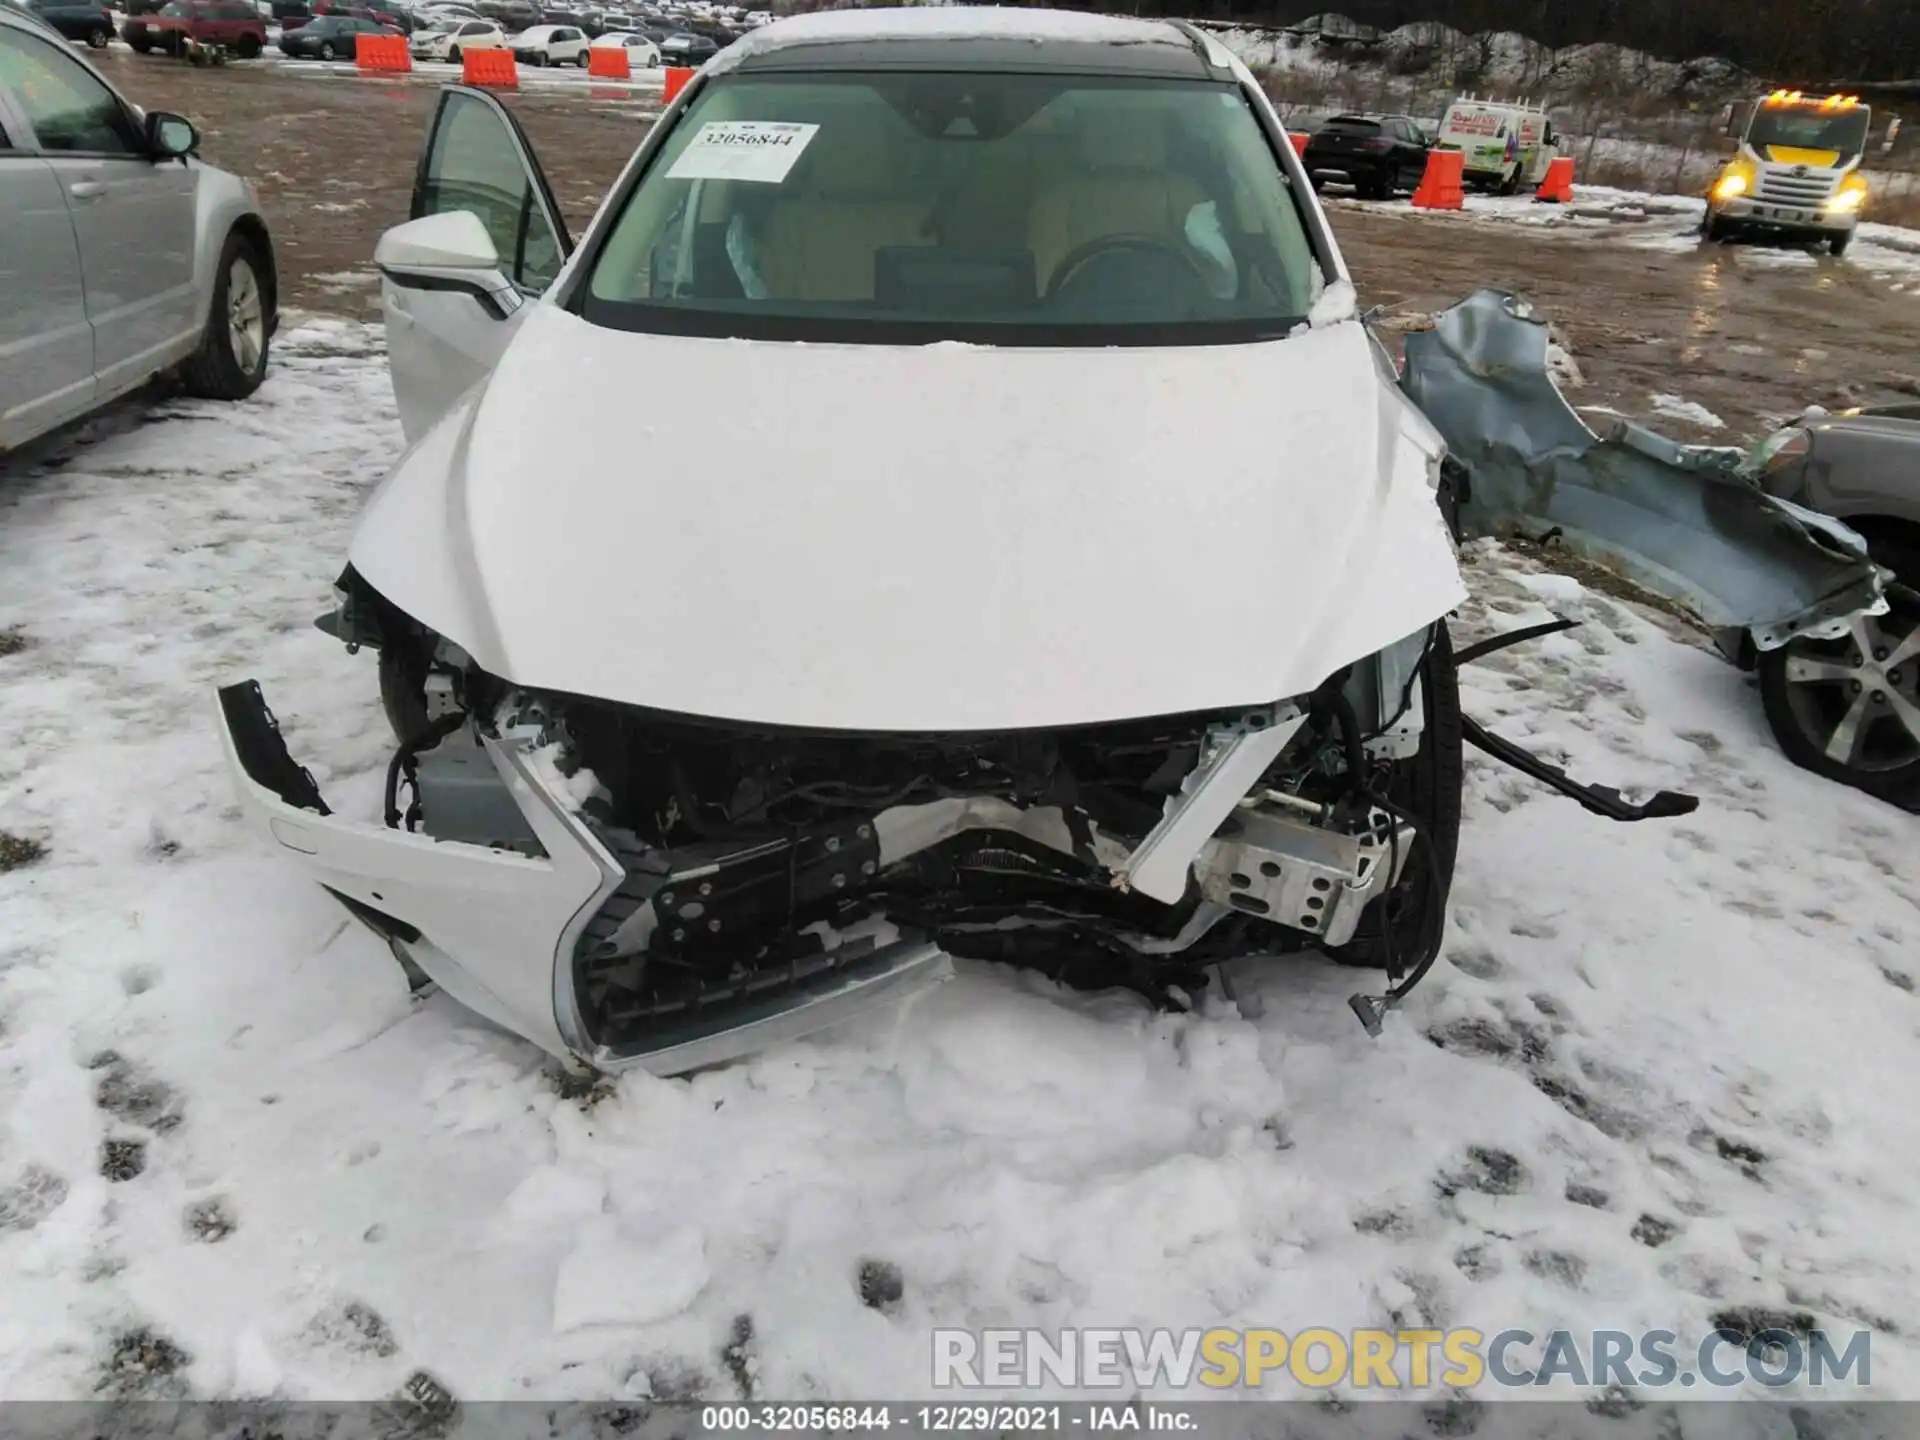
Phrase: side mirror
pixel 453 240
pixel 170 137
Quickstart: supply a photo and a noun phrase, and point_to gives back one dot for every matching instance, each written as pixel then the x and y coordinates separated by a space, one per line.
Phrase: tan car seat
pixel 841 203
pixel 1121 184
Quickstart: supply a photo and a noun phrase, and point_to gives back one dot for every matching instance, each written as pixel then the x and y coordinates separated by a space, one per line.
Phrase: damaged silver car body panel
pixel 1680 521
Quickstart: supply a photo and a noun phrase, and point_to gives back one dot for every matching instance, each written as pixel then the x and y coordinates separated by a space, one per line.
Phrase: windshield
pixel 1804 128
pixel 1012 208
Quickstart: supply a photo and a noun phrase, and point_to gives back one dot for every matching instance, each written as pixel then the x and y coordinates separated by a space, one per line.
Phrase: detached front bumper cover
pixel 497 930
pixel 1677 520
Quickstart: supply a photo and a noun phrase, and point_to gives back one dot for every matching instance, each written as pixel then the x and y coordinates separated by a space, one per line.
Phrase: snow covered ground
pixel 1662 1078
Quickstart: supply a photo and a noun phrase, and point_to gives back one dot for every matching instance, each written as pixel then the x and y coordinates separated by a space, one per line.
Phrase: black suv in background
pixel 510 15
pixel 74 19
pixel 1376 154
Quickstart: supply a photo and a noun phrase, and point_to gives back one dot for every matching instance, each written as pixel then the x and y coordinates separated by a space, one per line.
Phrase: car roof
pixel 24 19
pixel 976 37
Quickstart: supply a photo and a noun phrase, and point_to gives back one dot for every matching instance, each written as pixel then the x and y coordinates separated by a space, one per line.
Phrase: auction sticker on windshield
pixel 762 150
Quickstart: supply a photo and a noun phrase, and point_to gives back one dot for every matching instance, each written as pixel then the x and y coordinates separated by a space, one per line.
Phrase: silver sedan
pixel 122 256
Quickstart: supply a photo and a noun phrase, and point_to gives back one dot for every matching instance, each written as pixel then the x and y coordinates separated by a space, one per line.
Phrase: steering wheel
pixel 1140 263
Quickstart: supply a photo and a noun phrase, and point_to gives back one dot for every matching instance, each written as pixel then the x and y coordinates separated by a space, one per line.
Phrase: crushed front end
pixel 634 888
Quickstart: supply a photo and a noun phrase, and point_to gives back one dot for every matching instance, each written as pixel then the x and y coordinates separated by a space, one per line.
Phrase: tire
pixel 1429 786
pixel 1510 184
pixel 1837 243
pixel 327 52
pixel 141 46
pixel 581 59
pixel 98 37
pixel 1814 706
pixel 1715 230
pixel 248 47
pixel 403 689
pixel 453 55
pixel 219 369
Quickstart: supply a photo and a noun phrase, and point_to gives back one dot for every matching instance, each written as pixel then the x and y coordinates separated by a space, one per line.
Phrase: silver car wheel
pixel 1857 700
pixel 246 317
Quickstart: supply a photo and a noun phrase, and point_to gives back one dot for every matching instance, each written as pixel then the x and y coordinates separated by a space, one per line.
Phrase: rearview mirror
pixel 452 240
pixel 170 137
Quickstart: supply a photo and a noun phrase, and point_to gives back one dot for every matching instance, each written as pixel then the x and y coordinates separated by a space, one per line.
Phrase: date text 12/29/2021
pixel 964 1419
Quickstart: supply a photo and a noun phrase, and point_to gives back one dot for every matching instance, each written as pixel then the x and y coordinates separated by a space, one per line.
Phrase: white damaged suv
pixel 1026 553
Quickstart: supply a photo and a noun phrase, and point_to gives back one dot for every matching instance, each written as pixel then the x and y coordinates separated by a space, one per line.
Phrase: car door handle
pixel 87 189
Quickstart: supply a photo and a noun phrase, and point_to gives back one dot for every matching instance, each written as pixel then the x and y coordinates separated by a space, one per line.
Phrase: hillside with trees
pixel 1798 41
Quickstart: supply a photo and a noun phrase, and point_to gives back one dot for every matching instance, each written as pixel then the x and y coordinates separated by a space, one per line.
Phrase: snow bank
pixel 1673 407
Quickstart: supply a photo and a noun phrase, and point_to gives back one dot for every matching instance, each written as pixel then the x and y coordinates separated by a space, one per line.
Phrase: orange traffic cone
pixel 1557 188
pixel 1299 141
pixel 1442 186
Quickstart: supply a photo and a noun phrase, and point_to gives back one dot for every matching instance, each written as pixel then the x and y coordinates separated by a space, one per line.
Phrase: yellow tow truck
pixel 1796 171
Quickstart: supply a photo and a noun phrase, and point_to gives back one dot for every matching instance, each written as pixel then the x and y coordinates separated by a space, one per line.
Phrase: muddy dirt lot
pixel 334 157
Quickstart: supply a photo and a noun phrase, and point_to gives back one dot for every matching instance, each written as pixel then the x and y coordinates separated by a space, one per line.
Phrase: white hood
pixel 933 538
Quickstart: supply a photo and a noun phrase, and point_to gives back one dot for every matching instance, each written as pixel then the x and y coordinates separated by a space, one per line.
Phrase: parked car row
pixel 560 37
pixel 329 29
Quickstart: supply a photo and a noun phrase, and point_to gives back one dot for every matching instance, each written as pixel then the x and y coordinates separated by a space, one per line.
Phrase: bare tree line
pixel 1796 41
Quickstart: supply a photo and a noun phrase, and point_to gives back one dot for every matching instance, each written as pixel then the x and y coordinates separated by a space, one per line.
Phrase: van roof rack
pixel 1529 105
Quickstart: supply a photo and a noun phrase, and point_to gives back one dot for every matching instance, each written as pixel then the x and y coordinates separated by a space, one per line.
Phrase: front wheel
pixel 1395 928
pixel 453 55
pixel 232 359
pixel 1714 230
pixel 1837 242
pixel 141 46
pixel 98 37
pixel 1849 709
pixel 404 663
pixel 327 52
pixel 581 59
pixel 248 47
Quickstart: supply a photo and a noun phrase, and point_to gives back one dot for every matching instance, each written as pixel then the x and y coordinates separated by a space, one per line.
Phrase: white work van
pixel 1506 144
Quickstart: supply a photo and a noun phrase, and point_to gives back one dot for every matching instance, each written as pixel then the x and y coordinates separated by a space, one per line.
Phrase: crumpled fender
pixel 1677 520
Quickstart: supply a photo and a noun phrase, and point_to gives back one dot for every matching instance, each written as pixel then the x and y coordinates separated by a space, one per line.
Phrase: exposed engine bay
pixel 760 859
